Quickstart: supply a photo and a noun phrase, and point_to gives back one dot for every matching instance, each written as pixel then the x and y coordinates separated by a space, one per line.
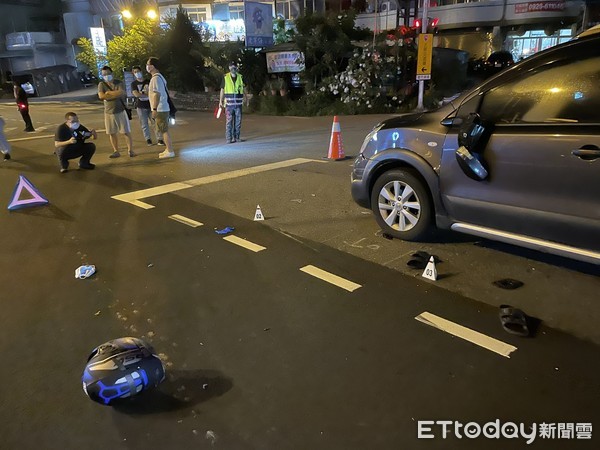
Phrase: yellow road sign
pixel 424 53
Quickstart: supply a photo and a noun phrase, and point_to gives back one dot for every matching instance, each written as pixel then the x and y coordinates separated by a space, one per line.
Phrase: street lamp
pixel 150 14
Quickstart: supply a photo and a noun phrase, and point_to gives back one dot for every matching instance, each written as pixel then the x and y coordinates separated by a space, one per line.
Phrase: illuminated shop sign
pixel 533 7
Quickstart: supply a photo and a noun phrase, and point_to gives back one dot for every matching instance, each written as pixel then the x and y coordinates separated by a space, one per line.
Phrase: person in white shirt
pixel 4 145
pixel 159 104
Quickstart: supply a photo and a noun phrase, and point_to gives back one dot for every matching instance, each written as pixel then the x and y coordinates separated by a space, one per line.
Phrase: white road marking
pixel 467 334
pixel 135 196
pixel 31 138
pixel 46 136
pixel 244 243
pixel 186 220
pixel 330 278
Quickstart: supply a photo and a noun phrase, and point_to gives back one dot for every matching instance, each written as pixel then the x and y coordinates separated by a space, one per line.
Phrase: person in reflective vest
pixel 232 98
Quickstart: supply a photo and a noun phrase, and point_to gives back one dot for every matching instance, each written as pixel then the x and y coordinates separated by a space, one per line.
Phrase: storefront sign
pixel 259 24
pixel 98 39
pixel 532 7
pixel 278 62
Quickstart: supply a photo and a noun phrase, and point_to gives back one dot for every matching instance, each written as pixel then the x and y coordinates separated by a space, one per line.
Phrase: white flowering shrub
pixel 366 84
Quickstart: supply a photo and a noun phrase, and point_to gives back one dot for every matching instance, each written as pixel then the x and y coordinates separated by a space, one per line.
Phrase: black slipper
pixel 513 320
pixel 417 263
pixel 421 255
pixel 508 283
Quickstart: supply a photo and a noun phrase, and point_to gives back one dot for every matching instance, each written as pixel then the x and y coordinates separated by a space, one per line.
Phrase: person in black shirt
pixel 23 106
pixel 69 142
pixel 139 89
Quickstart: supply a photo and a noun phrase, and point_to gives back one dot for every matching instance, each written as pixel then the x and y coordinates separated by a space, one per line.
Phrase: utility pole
pixel 423 30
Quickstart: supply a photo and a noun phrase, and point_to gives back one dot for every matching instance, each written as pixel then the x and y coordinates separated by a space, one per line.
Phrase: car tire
pixel 402 205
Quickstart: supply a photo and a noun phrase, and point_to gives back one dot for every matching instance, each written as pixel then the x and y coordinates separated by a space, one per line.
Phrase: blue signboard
pixel 258 18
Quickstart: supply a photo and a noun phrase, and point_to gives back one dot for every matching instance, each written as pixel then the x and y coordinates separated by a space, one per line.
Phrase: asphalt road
pixel 260 355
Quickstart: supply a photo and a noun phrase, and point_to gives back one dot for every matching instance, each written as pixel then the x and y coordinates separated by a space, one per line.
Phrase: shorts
pixel 162 121
pixel 117 123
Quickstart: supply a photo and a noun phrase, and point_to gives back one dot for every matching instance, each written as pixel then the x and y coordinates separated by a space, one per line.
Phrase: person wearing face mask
pixel 69 143
pixel 159 103
pixel 115 118
pixel 139 89
pixel 232 98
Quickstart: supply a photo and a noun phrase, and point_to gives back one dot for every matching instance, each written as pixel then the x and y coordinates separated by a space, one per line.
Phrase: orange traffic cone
pixel 336 149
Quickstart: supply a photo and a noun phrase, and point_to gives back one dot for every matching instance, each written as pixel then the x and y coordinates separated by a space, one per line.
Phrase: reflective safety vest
pixel 234 91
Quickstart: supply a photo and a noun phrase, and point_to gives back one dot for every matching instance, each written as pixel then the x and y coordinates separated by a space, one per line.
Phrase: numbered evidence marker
pixel 258 215
pixel 430 271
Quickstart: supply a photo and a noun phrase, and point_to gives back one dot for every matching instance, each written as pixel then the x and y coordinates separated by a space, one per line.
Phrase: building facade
pixel 481 26
pixel 37 37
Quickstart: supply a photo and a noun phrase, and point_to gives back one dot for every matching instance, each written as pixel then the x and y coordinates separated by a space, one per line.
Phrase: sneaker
pixel 166 154
pixel 6 156
pixel 29 130
pixel 161 142
pixel 114 155
pixel 64 170
pixel 132 154
pixel 149 142
pixel 89 166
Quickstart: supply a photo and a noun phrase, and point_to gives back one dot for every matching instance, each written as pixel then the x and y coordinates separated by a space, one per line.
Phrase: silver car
pixel 517 159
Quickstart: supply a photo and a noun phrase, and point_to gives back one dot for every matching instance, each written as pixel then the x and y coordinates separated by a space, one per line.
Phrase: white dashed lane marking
pixel 467 334
pixel 244 243
pixel 186 220
pixel 330 278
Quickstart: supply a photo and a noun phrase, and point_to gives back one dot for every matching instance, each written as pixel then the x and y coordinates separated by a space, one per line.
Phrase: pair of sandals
pixel 420 259
pixel 117 154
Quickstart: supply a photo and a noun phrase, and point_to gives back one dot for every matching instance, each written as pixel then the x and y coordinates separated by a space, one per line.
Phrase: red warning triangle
pixel 37 199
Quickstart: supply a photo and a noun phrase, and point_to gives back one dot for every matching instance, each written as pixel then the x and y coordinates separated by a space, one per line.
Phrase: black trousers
pixel 26 118
pixel 72 151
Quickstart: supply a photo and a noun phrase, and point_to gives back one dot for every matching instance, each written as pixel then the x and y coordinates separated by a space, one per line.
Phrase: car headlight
pixel 369 146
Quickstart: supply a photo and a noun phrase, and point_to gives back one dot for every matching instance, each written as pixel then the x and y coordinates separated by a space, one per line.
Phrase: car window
pixel 468 106
pixel 562 92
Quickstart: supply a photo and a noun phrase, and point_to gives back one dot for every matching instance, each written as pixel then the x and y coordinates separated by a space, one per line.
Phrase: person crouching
pixel 69 142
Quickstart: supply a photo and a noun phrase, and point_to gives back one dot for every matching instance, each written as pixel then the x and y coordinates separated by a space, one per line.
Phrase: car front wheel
pixel 401 204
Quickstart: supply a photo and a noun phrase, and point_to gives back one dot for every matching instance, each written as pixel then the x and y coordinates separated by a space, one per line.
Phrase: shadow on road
pixel 554 260
pixel 49 211
pixel 182 389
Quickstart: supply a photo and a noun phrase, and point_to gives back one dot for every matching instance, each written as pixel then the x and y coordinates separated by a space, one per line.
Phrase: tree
pixel 182 53
pixel 139 41
pixel 325 41
pixel 281 32
pixel 88 55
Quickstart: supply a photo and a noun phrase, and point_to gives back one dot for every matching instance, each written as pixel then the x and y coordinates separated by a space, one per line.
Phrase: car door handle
pixel 587 154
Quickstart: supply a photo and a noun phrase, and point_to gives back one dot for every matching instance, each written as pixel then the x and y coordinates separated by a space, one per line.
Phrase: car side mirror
pixel 470 165
pixel 471 132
